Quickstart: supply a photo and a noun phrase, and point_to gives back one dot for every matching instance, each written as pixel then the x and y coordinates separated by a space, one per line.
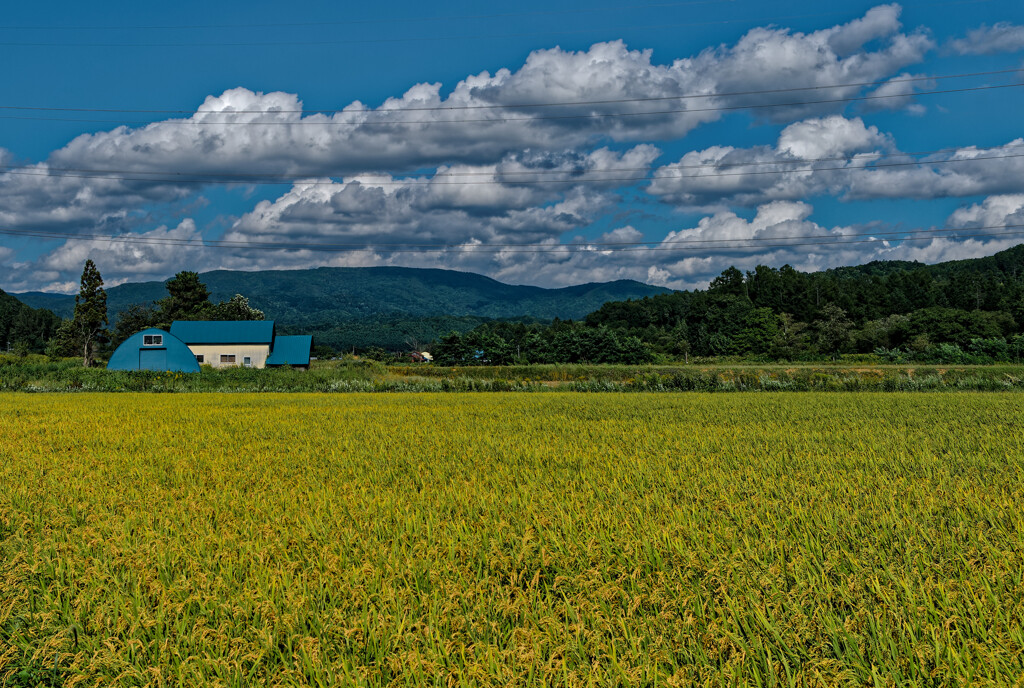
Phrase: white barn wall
pixel 211 353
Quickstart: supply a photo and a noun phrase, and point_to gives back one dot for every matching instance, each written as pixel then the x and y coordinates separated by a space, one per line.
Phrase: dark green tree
pixel 452 349
pixel 131 320
pixel 833 329
pixel 24 328
pixel 790 338
pixel 64 342
pixel 188 298
pixel 90 318
pixel 237 308
pixel 730 282
pixel 760 331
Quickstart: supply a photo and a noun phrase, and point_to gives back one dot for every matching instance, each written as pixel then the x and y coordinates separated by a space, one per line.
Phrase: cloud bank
pixel 532 156
pixel 838 157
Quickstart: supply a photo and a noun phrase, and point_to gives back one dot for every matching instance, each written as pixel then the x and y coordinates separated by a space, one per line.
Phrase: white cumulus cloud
pixel 994 211
pixel 808 159
pixel 838 157
pixel 524 198
pixel 484 118
pixel 1002 37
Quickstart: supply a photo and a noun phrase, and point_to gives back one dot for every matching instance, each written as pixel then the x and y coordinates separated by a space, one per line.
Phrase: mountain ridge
pixel 401 303
pixel 304 284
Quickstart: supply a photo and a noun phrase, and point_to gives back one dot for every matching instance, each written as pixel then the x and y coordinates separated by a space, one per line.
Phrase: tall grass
pixel 38 374
pixel 555 539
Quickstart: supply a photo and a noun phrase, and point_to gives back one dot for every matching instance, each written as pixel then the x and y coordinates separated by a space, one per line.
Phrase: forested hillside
pixel 783 312
pixel 389 307
pixel 962 311
pixel 23 328
pixel 956 312
pixel 296 297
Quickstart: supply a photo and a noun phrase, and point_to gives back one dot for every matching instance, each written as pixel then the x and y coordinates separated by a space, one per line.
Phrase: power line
pixel 511 106
pixel 412 39
pixel 422 38
pixel 389 20
pixel 839 169
pixel 281 180
pixel 502 120
pixel 583 247
pixel 394 19
pixel 240 177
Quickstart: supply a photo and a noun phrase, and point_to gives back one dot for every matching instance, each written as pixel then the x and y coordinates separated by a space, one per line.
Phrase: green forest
pixel 24 329
pixel 962 312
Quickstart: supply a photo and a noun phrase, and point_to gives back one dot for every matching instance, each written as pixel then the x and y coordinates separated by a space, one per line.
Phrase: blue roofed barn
pixel 221 344
pixel 250 344
pixel 227 343
pixel 153 349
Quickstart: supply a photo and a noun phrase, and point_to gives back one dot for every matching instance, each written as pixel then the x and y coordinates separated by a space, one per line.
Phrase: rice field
pixel 816 539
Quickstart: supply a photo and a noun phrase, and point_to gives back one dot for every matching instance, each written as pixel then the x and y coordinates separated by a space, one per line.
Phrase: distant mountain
pixel 323 300
pixel 399 308
pixel 1009 261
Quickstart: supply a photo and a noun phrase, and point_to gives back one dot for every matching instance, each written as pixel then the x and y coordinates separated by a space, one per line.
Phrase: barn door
pixel 152 359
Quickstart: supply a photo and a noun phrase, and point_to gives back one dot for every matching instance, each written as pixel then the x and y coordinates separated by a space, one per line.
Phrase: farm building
pixel 291 350
pixel 153 349
pixel 221 344
pixel 250 344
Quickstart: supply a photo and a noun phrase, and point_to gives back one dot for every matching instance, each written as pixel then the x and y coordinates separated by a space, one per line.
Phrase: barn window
pixel 152 340
pixel 227 358
pixel 247 362
pixel 200 358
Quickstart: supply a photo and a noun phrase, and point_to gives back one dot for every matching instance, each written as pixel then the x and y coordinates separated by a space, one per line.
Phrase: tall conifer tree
pixel 90 312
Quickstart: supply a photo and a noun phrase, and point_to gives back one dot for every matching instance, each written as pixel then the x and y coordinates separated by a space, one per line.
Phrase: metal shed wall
pixel 170 355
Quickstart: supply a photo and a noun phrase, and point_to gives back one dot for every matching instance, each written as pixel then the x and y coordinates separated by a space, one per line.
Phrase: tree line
pixel 961 312
pixel 968 311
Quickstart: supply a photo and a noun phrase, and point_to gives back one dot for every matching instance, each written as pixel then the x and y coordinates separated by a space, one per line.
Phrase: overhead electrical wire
pixel 242 177
pixel 399 18
pixel 222 178
pixel 512 106
pixel 582 247
pixel 421 38
pixel 411 39
pixel 389 20
pixel 503 120
pixel 248 178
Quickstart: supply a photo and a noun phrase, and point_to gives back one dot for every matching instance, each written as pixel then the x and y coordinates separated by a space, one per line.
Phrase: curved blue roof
pixel 167 353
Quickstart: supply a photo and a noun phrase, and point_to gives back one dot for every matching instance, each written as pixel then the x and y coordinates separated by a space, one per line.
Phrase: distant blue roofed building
pixel 291 350
pixel 221 344
pixel 153 349
pixel 246 343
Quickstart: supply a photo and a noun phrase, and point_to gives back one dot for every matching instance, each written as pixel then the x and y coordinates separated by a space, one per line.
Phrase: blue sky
pixel 425 156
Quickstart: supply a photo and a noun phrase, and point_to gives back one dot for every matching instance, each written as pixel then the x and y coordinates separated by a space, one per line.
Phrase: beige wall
pixel 211 353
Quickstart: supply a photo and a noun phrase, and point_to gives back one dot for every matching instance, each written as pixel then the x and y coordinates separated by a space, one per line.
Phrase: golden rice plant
pixel 484 540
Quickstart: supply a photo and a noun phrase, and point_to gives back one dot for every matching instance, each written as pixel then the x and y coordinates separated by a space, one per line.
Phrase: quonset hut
pixel 153 349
